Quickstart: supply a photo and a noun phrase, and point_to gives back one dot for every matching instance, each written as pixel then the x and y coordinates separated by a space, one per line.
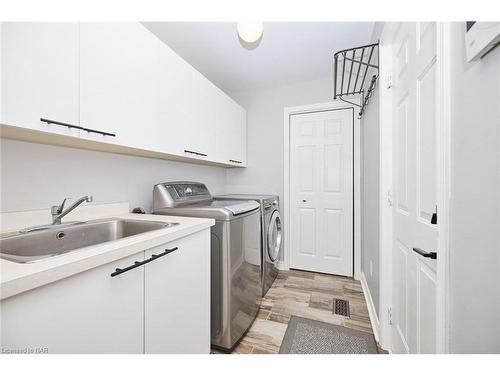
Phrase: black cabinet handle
pixel 195 153
pixel 235 161
pixel 76 127
pixel 136 264
pixel 119 271
pixel 167 251
pixel 425 254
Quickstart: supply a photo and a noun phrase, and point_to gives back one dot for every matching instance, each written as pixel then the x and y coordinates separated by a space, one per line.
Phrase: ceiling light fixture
pixel 250 32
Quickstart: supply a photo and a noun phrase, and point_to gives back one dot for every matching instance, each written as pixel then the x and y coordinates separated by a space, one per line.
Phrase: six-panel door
pixel 416 162
pixel 321 191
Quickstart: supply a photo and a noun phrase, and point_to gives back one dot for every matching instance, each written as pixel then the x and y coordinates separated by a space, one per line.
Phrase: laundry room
pixel 213 186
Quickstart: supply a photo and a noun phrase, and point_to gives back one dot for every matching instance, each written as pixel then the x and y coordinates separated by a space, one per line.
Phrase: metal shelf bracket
pixel 354 65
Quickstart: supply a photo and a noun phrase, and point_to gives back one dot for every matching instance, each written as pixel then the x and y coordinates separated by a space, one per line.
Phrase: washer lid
pixel 242 207
pixel 219 210
pixel 257 197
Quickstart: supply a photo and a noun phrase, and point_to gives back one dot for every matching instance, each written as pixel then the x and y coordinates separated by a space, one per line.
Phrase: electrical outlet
pixel 371 268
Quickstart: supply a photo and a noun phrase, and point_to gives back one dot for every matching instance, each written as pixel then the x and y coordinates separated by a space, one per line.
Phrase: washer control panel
pixel 184 191
pixel 173 194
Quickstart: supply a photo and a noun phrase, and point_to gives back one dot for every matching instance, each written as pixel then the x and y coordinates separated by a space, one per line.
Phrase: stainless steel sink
pixel 33 246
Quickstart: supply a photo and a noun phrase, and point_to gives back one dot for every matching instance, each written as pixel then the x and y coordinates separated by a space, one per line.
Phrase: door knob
pixel 425 254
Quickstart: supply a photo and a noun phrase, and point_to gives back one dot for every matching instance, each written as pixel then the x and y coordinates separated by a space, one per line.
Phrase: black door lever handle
pixel 425 254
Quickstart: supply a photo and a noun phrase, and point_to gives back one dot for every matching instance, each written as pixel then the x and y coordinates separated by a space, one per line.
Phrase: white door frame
pixel 443 197
pixel 334 105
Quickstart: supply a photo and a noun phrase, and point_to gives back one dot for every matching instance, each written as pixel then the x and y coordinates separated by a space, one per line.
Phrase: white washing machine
pixel 271 234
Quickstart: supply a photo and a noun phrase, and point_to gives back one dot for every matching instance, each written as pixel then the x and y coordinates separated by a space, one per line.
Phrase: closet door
pixel 40 75
pixel 118 83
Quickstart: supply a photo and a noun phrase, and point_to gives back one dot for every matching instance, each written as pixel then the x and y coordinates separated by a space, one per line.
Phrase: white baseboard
pixel 371 308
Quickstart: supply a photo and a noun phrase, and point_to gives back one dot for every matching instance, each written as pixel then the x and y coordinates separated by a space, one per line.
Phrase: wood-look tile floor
pixel 308 295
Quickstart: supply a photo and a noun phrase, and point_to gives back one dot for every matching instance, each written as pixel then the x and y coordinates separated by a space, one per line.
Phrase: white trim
pixel 444 89
pixel 288 111
pixel 385 186
pixel 374 320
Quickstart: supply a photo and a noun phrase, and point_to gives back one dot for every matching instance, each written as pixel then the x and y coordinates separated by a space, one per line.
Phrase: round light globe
pixel 250 32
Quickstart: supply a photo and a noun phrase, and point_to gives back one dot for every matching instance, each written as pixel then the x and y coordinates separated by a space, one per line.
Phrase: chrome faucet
pixel 58 213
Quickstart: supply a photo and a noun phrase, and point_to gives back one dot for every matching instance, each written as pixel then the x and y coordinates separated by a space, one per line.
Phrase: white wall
pixel 36 176
pixel 370 192
pixel 264 172
pixel 475 200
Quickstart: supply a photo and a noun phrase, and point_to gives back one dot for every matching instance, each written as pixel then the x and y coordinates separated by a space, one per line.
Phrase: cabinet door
pixel 187 108
pixel 201 131
pixel 90 312
pixel 177 297
pixel 176 94
pixel 118 83
pixel 243 114
pixel 231 133
pixel 40 75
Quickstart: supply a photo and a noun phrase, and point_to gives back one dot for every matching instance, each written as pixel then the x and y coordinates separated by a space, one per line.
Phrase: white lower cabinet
pixel 159 307
pixel 176 303
pixel 90 312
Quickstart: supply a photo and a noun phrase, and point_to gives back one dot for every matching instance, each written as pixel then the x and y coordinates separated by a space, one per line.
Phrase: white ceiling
pixel 288 52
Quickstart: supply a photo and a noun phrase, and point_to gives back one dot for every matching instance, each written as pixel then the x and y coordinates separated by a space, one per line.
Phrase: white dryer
pixel 271 234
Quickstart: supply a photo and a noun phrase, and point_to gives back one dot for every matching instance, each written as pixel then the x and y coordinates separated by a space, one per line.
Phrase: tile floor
pixel 305 294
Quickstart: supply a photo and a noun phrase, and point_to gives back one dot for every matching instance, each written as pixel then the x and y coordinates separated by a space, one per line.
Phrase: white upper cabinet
pixel 231 132
pixel 176 82
pixel 118 83
pixel 40 75
pixel 200 134
pixel 121 86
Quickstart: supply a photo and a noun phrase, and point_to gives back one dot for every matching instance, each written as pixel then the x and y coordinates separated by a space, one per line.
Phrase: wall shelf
pixel 352 67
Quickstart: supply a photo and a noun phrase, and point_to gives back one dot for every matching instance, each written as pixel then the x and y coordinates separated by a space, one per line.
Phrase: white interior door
pixel 321 191
pixel 415 187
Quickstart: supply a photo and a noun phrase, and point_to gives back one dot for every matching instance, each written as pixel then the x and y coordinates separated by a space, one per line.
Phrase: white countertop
pixel 16 278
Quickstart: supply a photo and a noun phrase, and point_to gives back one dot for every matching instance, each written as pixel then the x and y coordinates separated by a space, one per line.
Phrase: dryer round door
pixel 274 236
